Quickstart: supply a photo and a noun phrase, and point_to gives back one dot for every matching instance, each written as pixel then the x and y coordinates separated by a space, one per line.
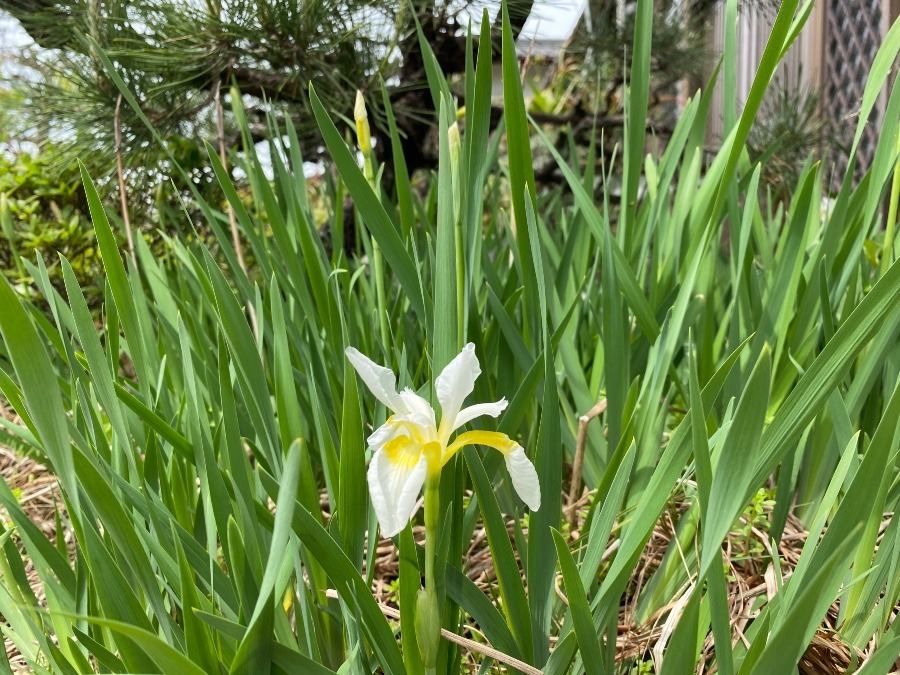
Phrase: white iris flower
pixel 411 444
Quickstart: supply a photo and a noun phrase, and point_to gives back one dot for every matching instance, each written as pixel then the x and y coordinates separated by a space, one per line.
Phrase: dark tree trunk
pixel 519 10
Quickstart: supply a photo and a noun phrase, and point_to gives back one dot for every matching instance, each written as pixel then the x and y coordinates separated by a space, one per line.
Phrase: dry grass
pixel 38 494
pixel 749 579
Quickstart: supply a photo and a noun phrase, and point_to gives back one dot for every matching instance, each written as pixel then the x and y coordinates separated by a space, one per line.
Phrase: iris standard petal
pixel 381 381
pixel 468 414
pixel 396 475
pixel 454 384
pixel 524 477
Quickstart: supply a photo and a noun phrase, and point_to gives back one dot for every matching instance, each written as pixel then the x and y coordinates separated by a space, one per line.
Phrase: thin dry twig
pixel 578 465
pixel 120 175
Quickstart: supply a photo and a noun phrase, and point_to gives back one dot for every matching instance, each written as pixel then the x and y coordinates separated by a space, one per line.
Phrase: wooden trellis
pixel 832 56
pixel 854 29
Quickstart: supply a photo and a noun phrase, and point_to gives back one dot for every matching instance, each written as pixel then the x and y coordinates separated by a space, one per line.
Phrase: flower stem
pixel 887 253
pixel 432 508
pixel 380 296
pixel 428 617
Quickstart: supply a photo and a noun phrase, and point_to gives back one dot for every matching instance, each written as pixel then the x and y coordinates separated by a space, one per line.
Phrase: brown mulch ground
pixel 37 491
pixel 827 655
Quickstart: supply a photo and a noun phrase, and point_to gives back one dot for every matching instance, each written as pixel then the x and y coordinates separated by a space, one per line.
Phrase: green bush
pixel 45 217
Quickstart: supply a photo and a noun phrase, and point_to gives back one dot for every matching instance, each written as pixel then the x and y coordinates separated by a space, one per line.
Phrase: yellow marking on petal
pixel 492 439
pixel 402 452
pixel 412 431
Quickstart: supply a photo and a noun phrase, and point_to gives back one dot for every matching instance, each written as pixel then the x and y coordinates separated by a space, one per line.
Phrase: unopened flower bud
pixel 455 173
pixel 428 627
pixel 363 134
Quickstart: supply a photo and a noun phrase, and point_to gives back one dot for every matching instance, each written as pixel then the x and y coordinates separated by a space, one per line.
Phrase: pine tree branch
pixel 45 21
pixel 266 84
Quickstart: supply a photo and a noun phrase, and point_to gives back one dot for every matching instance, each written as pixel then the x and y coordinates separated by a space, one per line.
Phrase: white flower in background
pixel 411 443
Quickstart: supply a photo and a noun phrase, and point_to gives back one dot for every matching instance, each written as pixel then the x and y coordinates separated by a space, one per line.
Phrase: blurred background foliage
pixel 43 211
pixel 58 104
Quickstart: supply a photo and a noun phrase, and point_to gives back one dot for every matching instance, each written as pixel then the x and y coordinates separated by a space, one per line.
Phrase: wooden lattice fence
pixel 832 57
pixel 854 29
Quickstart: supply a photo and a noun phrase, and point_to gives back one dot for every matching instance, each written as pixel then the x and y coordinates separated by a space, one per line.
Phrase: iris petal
pixel 492 439
pixel 386 432
pixel 454 384
pixel 396 475
pixel 468 414
pixel 418 407
pixel 380 380
pixel 521 470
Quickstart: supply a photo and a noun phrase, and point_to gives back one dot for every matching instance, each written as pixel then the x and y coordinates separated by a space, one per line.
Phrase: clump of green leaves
pixel 748 548
pixel 210 393
pixel 45 216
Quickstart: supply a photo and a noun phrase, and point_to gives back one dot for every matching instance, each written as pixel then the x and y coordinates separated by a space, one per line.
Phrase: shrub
pixel 45 217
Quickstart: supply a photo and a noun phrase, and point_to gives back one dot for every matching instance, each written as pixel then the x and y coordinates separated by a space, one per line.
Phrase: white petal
pixel 524 477
pixel 386 432
pixel 394 488
pixel 455 383
pixel 418 407
pixel 380 380
pixel 416 426
pixel 466 415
